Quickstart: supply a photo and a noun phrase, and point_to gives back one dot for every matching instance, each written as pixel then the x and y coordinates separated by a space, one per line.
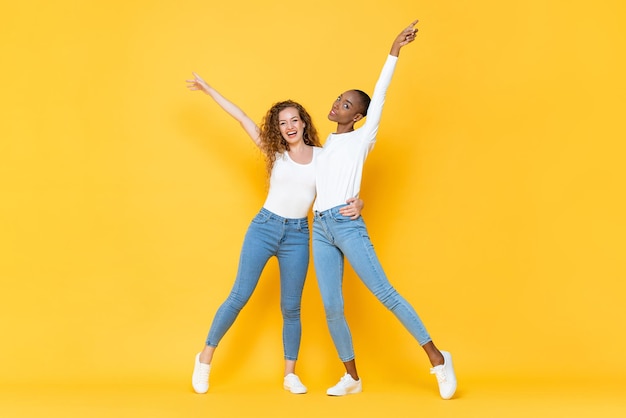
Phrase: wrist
pixel 395 48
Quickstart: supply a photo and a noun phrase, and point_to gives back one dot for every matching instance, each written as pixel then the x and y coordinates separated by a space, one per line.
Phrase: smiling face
pixel 291 125
pixel 348 108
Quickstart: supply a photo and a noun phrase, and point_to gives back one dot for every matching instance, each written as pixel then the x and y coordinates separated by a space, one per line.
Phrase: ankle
pixel 434 355
pixel 436 359
pixel 205 358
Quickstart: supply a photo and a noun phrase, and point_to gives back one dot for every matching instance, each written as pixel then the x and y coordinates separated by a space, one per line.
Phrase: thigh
pixel 293 261
pixel 328 261
pixel 256 250
pixel 358 248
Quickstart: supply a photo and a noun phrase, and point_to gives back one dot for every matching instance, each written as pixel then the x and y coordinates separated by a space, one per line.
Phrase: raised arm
pixel 232 109
pixel 374 111
pixel 405 37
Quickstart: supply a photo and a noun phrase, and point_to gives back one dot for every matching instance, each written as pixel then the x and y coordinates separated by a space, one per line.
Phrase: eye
pixel 338 98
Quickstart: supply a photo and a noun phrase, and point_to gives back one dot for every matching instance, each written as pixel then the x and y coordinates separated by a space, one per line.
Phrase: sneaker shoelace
pixel 440 373
pixel 346 380
pixel 203 373
pixel 294 381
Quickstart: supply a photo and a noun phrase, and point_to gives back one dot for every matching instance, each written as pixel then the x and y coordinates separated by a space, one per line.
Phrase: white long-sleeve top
pixel 340 167
pixel 292 186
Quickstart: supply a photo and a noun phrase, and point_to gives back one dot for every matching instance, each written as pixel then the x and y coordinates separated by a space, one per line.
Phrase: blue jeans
pixel 269 235
pixel 336 236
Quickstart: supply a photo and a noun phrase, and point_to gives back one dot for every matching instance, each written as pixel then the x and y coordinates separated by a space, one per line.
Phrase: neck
pixel 342 129
pixel 300 146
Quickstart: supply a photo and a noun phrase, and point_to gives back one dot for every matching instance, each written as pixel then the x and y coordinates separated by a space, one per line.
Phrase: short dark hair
pixel 365 101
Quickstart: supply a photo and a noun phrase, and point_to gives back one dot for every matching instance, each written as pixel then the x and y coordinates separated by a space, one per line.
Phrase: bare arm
pixel 405 37
pixel 232 109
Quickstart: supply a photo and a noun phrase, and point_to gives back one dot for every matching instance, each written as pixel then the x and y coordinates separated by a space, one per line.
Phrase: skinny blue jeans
pixel 288 240
pixel 336 236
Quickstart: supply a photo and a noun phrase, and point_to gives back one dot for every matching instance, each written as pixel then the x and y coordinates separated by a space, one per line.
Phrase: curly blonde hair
pixel 272 141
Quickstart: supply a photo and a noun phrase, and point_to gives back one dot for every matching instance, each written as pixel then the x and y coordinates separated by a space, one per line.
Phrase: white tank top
pixel 292 186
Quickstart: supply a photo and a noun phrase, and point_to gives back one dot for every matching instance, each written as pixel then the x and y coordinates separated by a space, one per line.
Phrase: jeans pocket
pixel 304 228
pixel 261 218
pixel 338 217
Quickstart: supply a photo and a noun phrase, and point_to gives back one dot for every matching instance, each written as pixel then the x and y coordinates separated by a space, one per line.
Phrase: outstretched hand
pixel 404 38
pixel 198 84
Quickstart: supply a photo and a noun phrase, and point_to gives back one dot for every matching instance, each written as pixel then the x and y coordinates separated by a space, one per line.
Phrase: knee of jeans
pixel 290 312
pixel 235 302
pixel 334 313
pixel 388 297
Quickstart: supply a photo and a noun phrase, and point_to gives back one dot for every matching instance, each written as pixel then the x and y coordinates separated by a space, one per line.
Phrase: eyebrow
pixel 349 102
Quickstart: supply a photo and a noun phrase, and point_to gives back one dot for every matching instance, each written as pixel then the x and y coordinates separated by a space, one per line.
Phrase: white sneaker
pixel 200 377
pixel 293 384
pixel 445 376
pixel 347 385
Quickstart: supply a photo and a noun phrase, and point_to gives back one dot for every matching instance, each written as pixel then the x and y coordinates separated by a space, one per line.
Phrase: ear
pixel 357 117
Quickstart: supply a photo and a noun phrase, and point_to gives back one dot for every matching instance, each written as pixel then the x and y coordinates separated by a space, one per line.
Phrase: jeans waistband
pixel 328 211
pixel 289 221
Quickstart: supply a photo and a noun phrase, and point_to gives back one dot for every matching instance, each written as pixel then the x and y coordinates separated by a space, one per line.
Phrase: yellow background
pixel 494 197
